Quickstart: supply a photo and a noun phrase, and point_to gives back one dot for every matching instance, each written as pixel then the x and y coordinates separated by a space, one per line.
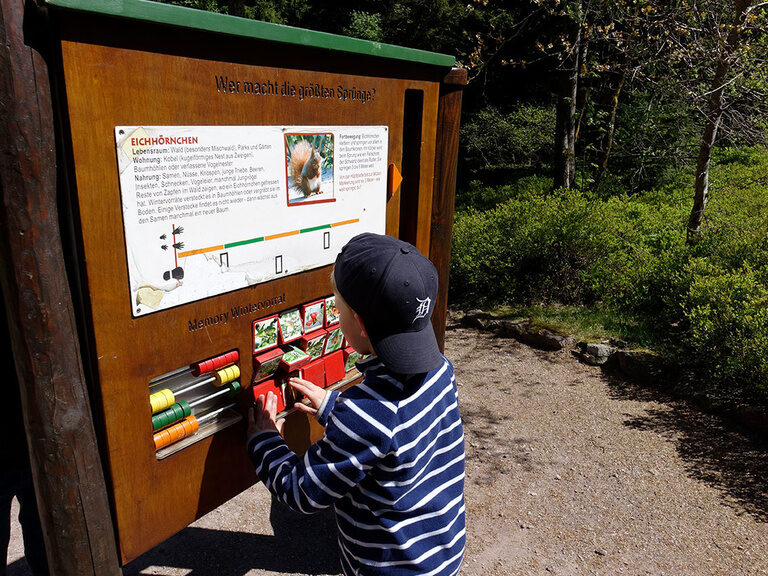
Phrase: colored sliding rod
pixel 185 428
pixel 182 408
pixel 215 363
pixel 167 398
pixel 200 368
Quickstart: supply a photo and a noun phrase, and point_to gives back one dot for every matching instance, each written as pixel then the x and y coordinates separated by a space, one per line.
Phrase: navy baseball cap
pixel 393 288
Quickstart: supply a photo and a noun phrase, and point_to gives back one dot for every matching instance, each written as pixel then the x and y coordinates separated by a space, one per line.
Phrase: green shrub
pixel 745 156
pixel 522 137
pixel 736 224
pixel 529 249
pixel 728 337
pixel 705 303
pixel 481 196
pixel 642 240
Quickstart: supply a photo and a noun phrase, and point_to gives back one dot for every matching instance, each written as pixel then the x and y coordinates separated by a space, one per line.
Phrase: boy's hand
pixel 261 416
pixel 314 394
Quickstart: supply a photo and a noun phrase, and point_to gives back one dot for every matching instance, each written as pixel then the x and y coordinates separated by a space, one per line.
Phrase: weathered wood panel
pixel 444 194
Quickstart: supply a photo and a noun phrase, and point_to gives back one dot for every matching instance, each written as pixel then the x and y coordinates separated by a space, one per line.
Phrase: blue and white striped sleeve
pixel 358 434
pixel 324 410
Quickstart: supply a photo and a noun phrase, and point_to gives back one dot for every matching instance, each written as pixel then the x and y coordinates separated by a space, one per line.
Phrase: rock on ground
pixel 569 472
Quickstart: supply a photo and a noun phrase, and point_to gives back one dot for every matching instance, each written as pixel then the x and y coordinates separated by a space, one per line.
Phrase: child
pixel 392 457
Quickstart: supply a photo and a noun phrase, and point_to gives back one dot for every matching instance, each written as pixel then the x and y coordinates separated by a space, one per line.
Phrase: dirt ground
pixel 569 471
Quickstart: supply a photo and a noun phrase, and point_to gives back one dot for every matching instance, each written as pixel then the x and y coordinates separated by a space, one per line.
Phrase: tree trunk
pixel 712 120
pixel 584 87
pixel 64 456
pixel 237 8
pixel 565 130
pixel 606 142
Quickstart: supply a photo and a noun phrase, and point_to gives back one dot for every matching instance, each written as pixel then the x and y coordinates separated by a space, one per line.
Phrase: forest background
pixel 613 169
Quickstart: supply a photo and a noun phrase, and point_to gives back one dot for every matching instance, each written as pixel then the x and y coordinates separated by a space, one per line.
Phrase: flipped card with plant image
pixel 264 334
pixel 293 359
pixel 266 364
pixel 290 326
pixel 315 344
pixel 312 315
pixel 352 356
pixel 331 311
pixel 335 340
pixel 287 392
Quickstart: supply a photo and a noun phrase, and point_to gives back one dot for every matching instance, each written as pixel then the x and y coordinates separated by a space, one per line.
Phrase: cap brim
pixel 409 352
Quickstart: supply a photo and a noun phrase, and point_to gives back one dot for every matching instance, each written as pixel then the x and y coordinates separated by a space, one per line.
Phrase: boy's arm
pixel 321 401
pixel 324 410
pixel 355 439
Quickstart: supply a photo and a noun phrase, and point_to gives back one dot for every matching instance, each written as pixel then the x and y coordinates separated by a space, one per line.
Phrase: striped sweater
pixel 392 464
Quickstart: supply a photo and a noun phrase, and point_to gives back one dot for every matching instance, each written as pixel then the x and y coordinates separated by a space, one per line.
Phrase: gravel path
pixel 569 472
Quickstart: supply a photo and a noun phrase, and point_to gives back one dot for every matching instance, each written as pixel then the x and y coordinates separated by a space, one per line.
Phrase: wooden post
pixel 444 194
pixel 66 466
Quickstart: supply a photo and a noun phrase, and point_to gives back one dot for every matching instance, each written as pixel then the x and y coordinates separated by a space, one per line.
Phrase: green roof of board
pixel 179 16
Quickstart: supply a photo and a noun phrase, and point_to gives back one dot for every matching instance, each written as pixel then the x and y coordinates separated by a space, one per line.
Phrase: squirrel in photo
pixel 306 168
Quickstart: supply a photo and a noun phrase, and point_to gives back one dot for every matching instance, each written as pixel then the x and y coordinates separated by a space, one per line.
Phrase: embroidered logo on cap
pixel 423 309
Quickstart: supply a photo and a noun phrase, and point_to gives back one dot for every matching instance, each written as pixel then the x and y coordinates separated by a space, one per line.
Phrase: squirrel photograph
pixel 305 164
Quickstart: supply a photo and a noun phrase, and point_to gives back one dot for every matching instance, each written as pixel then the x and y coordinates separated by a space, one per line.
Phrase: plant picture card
pixel 293 359
pixel 351 356
pixel 313 315
pixel 266 364
pixel 290 326
pixel 314 343
pixel 265 334
pixel 331 311
pixel 287 393
pixel 290 396
pixel 335 340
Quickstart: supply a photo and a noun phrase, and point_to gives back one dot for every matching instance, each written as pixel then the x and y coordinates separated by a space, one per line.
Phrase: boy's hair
pixel 393 288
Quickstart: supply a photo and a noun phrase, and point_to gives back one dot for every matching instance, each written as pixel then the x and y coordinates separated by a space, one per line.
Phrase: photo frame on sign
pixel 309 166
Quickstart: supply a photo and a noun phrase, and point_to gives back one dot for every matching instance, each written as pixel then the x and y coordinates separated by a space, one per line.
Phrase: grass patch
pixel 583 323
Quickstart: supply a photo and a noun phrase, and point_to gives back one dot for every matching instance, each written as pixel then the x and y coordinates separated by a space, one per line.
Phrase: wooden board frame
pixel 116 72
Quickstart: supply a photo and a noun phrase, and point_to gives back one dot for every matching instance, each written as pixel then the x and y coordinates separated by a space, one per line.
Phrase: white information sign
pixel 211 209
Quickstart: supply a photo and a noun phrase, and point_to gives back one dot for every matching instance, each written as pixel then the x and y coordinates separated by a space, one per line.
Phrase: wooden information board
pixel 194 227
